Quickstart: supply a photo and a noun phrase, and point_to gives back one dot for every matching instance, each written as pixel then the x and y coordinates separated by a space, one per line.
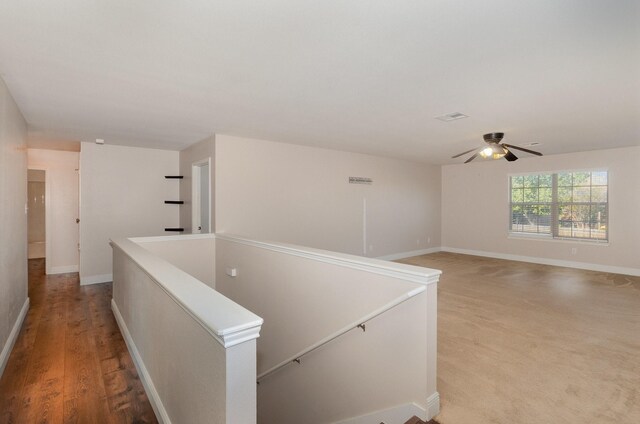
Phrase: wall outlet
pixel 574 250
pixel 232 272
pixel 428 240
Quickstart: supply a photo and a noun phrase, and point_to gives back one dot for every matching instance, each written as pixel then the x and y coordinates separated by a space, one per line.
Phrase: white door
pixel 201 197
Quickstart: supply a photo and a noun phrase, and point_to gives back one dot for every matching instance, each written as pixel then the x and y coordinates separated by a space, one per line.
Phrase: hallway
pixel 70 363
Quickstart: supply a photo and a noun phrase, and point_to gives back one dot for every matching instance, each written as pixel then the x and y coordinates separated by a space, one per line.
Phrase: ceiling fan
pixel 494 149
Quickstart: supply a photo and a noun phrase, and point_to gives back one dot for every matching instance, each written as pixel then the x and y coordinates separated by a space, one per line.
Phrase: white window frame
pixel 553 234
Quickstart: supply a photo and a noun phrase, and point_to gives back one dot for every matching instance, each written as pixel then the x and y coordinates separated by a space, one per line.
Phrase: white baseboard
pixel 433 406
pixel 403 255
pixel 396 415
pixel 96 279
pixel 13 336
pixel 546 261
pixel 62 269
pixel 152 393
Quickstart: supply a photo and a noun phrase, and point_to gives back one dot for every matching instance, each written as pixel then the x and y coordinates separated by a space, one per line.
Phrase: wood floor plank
pixel 42 395
pixel 70 363
pixel 84 387
pixel 13 379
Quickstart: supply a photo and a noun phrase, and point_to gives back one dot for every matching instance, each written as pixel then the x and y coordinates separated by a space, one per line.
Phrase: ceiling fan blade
pixel 471 158
pixel 510 156
pixel 523 149
pixel 463 153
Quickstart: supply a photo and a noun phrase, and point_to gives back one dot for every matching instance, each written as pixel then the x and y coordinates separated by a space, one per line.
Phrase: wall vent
pixel 452 116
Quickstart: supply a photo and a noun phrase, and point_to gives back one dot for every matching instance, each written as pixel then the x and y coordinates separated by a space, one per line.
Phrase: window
pixel 561 205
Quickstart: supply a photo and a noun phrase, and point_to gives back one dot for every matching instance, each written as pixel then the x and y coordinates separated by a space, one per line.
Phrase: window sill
pixel 544 237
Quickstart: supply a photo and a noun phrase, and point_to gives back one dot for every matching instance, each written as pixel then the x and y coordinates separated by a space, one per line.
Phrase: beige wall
pixel 298 194
pixel 62 178
pixel 195 255
pixel 13 221
pixel 475 212
pixel 123 190
pixel 199 151
pixel 293 287
pixel 305 296
pixel 189 376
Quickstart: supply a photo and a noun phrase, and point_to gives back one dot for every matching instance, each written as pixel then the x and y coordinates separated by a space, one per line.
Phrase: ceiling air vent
pixel 451 116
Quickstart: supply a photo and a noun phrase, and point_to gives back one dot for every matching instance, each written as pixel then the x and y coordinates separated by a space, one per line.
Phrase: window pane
pixel 582 178
pixel 544 195
pixel 580 213
pixel 580 229
pixel 598 223
pixel 530 221
pixel 545 180
pixel 564 179
pixel 530 195
pixel 564 229
pixel 599 194
pixel 544 219
pixel 517 182
pixel 564 194
pixel 517 195
pixel 599 178
pixel 530 180
pixel 581 194
pixel 564 212
pixel 517 218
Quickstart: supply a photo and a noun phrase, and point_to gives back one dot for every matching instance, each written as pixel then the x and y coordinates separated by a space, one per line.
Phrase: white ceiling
pixel 362 75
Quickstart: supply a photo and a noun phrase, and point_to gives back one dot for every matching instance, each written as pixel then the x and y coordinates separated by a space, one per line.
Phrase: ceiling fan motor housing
pixel 493 137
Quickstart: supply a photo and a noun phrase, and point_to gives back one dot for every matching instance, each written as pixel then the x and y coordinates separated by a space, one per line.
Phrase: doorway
pixel 60 207
pixel 36 213
pixel 201 196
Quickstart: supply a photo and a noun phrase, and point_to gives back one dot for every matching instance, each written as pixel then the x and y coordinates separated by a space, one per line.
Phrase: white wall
pixel 193 253
pixel 62 179
pixel 299 194
pixel 13 222
pixel 304 296
pixel 122 191
pixel 199 151
pixel 475 210
pixel 194 349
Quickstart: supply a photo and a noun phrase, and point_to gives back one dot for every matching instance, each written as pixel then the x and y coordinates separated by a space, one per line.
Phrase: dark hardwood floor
pixel 70 363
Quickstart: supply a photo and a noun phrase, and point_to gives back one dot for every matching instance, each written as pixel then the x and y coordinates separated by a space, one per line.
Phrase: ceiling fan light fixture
pixel 486 152
pixel 493 151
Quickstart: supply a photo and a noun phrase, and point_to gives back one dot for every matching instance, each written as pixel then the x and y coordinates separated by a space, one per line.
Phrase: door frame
pixel 47 214
pixel 195 193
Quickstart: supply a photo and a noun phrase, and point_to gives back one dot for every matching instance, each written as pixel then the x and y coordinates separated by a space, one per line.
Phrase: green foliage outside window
pixel 565 204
